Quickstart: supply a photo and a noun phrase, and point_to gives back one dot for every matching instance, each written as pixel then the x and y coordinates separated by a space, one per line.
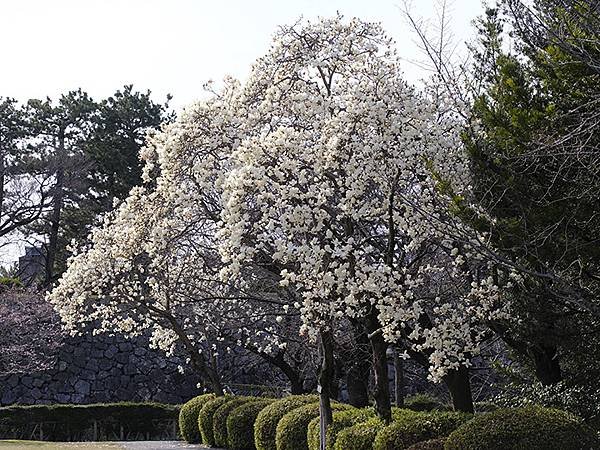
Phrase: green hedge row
pixel 240 424
pixel 265 426
pixel 249 423
pixel 188 418
pixel 533 428
pixel 95 422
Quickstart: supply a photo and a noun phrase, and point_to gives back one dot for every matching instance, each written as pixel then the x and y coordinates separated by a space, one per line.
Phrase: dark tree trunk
pixel 459 385
pixel 357 382
pixel 398 380
pixel 383 404
pixel 57 204
pixel 547 365
pixel 291 373
pixel 358 368
pixel 325 382
pixel 2 169
pixel 208 374
pixel 544 356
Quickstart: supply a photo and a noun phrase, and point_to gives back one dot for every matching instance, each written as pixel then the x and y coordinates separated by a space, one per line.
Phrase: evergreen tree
pixel 535 156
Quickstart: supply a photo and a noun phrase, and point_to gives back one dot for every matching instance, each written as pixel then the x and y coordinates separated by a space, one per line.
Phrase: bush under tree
pixel 265 426
pixel 188 418
pixel 532 428
pixel 240 424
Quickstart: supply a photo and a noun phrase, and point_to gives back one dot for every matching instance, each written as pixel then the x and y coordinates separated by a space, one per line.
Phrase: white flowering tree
pixel 154 265
pixel 338 180
pixel 319 190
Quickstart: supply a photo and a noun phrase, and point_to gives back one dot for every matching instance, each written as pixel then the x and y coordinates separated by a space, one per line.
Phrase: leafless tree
pixel 30 332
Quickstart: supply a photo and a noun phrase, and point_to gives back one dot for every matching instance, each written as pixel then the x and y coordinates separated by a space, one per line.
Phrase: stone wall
pixel 92 369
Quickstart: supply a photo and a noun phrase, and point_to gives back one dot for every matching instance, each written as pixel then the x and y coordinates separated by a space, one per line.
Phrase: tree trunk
pixel 398 380
pixel 325 382
pixel 547 365
pixel 209 375
pixel 357 383
pixel 383 405
pixel 57 204
pixel 544 356
pixel 2 170
pixel 293 375
pixel 459 385
pixel 358 367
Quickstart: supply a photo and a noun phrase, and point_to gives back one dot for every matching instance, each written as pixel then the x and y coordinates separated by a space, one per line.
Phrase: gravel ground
pixel 131 445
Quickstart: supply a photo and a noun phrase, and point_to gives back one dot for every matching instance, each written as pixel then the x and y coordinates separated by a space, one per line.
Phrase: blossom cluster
pixel 309 194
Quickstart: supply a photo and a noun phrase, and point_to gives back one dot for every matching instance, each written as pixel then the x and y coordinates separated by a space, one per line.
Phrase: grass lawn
pixel 129 445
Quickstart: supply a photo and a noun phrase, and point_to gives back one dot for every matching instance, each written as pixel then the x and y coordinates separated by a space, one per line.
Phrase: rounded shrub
pixel 361 435
pixel 424 402
pixel 188 418
pixel 431 444
pixel 532 428
pixel 401 434
pixel 485 407
pixel 265 425
pixel 240 424
pixel 220 419
pixel 341 420
pixel 292 429
pixel 205 418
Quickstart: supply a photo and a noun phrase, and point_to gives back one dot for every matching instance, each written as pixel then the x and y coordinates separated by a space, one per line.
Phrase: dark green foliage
pixel 484 407
pixel 220 419
pixel 205 418
pixel 409 430
pixel 240 424
pixel 10 283
pixel 341 420
pixel 188 418
pixel 88 422
pixel 534 165
pixel 88 151
pixel 532 428
pixel 292 429
pixel 119 133
pixel 359 436
pixel 432 444
pixel 266 423
pixel 424 402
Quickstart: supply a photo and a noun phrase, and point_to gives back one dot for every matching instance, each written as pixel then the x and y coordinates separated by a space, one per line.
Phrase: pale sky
pixel 49 47
pixel 171 46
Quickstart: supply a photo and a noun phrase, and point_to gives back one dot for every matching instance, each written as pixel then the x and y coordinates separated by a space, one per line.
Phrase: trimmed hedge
pixel 432 444
pixel 188 418
pixel 265 426
pixel 532 428
pixel 220 419
pixel 424 402
pixel 101 421
pixel 485 407
pixel 240 424
pixel 205 418
pixel 359 436
pixel 401 434
pixel 341 420
pixel 292 429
